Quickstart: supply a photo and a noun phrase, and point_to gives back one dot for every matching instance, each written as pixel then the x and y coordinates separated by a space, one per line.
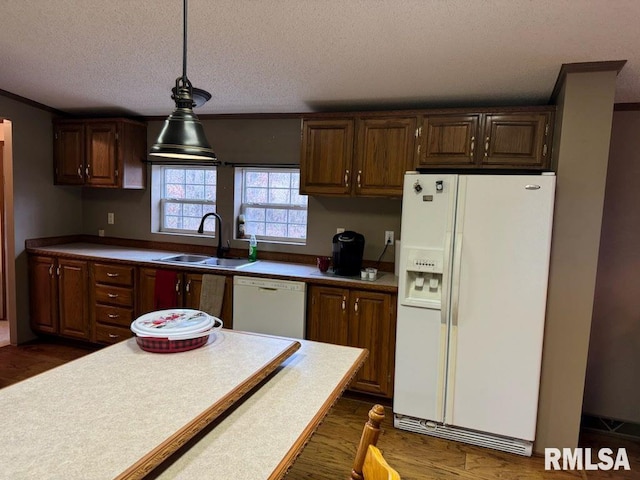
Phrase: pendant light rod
pixel 184 42
pixel 182 140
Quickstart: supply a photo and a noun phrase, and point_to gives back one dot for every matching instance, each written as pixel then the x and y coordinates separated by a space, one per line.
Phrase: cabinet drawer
pixel 109 295
pixel 113 274
pixel 110 334
pixel 114 315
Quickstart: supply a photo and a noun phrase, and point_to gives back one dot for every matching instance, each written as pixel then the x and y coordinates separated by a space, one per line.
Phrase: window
pixel 271 205
pixel 187 194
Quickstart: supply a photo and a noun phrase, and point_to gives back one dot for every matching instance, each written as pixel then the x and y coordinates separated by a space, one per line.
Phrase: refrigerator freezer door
pixel 428 209
pixel 503 232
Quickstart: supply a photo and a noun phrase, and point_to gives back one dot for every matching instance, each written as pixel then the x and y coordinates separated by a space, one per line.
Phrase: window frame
pixel 184 201
pixel 272 206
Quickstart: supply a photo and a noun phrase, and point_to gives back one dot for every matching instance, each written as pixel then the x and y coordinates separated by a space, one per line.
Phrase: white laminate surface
pixel 251 442
pixel 261 267
pixel 96 416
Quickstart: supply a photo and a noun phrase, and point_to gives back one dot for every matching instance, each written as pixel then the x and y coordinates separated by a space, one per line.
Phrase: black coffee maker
pixel 348 248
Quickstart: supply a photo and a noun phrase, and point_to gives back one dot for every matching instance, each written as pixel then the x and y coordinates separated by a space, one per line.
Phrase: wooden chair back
pixel 369 464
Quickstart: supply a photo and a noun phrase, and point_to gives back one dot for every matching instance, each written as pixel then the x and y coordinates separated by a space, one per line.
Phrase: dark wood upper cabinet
pixel 516 140
pixel 448 140
pixel 368 153
pixel 384 152
pixel 511 140
pixel 326 157
pixel 356 156
pixel 69 153
pixel 107 153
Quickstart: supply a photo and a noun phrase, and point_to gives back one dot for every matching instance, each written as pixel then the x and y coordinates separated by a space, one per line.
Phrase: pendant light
pixel 182 140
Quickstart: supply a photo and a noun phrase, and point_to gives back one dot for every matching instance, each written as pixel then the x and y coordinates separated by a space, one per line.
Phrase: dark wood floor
pixel 329 454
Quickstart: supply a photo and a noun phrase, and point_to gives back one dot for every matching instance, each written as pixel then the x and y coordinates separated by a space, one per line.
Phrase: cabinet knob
pixel 355 306
pixel 344 303
pixel 112 295
pixel 113 335
pixel 51 270
pixel 113 315
pixel 359 175
pixel 187 287
pixel 486 146
pixel 86 171
pixel 346 178
pixel 473 146
pixel 178 287
pixel 80 171
pixel 112 274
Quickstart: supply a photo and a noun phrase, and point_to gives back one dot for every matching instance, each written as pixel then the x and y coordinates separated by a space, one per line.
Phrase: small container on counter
pixel 372 274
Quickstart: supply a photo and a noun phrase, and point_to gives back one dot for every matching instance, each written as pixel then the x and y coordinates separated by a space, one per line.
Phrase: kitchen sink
pixel 205 260
pixel 227 262
pixel 185 258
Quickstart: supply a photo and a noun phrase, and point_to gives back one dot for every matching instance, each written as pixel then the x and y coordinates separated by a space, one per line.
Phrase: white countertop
pixel 304 272
pixel 95 416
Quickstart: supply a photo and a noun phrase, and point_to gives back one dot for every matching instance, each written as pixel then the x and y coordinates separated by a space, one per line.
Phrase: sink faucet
pixel 220 250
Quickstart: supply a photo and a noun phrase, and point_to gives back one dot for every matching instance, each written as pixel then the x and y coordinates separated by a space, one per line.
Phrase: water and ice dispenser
pixel 423 277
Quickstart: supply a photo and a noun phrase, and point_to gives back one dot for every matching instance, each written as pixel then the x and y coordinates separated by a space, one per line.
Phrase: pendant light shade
pixel 182 139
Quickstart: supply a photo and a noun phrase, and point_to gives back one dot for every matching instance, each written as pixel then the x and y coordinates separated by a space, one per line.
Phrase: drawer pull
pixel 112 274
pixel 113 315
pixel 113 335
pixel 112 295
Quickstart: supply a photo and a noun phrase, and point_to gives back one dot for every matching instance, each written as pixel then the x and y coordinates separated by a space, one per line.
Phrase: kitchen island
pixel 104 416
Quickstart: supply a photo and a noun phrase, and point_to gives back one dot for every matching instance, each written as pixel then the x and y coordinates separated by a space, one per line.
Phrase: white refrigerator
pixel 472 292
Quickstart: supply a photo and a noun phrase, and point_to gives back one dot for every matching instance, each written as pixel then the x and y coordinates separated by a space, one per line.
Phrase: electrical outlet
pixel 111 218
pixel 339 230
pixel 388 237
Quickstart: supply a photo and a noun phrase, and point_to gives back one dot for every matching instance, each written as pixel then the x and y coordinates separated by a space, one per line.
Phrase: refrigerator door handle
pixel 455 284
pixel 444 304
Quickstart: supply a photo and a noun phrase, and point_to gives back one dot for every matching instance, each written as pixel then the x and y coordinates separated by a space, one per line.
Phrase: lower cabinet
pixel 59 296
pixel 112 301
pixel 188 289
pixel 358 318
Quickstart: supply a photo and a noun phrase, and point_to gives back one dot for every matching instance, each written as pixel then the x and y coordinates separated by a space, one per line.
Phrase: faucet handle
pixel 224 250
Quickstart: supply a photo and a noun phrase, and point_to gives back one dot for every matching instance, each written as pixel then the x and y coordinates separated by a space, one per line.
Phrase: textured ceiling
pixel 278 56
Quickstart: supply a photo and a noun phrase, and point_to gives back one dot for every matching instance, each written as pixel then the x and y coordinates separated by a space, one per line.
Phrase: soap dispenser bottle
pixel 253 248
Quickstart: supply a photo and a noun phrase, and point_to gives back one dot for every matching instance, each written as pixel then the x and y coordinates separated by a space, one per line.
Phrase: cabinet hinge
pixel 544 150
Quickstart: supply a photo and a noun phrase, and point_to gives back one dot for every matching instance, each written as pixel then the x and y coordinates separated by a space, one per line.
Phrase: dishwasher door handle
pixel 268 289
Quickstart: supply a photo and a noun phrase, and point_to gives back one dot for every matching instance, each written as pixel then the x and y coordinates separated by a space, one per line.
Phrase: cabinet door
pixel 384 152
pixel 43 289
pixel 102 158
pixel 146 289
pixel 68 153
pixel 326 157
pixel 448 141
pixel 327 320
pixel 372 326
pixel 516 140
pixel 146 286
pixel 73 298
pixel 192 289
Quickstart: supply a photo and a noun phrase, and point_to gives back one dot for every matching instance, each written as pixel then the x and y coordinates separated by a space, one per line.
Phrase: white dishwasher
pixel 274 307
